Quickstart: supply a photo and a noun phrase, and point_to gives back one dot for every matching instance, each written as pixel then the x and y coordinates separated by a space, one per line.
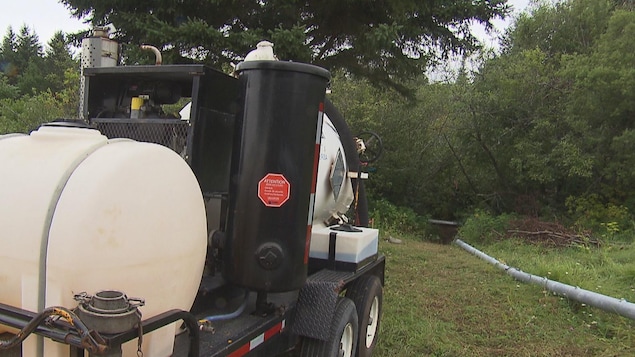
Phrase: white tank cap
pixel 263 52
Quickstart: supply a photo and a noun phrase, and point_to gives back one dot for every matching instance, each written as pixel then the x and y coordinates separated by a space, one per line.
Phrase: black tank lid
pixel 285 66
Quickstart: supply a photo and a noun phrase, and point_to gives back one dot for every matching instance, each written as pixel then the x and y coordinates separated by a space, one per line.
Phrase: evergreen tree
pixel 27 47
pixel 7 91
pixel 378 39
pixel 29 60
pixel 58 59
pixel 8 56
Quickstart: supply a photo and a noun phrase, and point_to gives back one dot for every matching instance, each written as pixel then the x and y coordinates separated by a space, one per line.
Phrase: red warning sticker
pixel 273 190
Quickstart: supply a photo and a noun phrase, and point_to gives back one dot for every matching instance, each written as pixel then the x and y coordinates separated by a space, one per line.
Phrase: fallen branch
pixel 557 238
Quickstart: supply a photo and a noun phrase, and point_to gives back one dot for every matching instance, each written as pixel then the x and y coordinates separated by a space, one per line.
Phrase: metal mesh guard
pixel 171 133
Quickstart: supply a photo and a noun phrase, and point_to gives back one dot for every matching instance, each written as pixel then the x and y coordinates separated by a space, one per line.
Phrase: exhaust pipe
pixel 157 53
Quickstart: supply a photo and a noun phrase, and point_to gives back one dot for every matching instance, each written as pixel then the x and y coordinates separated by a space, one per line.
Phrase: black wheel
pixel 343 334
pixel 352 161
pixel 367 293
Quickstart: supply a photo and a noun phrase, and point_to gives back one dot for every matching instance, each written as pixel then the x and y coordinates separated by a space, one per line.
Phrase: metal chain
pixel 140 340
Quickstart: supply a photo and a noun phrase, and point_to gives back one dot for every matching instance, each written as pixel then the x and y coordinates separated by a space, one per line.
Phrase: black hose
pixel 87 340
pixel 352 161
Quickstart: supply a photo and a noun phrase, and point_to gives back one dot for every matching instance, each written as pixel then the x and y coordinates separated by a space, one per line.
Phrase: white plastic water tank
pixel 79 212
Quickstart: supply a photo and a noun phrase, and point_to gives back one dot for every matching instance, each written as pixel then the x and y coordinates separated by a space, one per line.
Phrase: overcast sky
pixel 490 40
pixel 44 17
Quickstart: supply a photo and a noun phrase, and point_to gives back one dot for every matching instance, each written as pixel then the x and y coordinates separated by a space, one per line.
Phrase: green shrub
pixel 482 227
pixel 28 112
pixel 607 221
pixel 388 216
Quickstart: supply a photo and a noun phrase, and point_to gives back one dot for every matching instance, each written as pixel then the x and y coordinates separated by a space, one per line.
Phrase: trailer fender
pixel 315 308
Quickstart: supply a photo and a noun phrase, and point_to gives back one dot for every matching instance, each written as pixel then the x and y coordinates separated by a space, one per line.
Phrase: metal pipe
pixel 606 303
pixel 157 53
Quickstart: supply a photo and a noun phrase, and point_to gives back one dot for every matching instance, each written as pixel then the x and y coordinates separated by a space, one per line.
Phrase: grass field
pixel 441 301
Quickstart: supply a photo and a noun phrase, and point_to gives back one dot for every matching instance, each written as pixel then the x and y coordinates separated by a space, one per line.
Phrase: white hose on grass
pixel 606 303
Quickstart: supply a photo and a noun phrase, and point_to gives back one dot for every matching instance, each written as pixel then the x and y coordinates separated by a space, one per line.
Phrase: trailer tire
pixel 352 161
pixel 367 294
pixel 343 334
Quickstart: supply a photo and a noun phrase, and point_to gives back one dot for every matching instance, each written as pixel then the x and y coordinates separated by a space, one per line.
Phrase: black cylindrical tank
pixel 274 164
